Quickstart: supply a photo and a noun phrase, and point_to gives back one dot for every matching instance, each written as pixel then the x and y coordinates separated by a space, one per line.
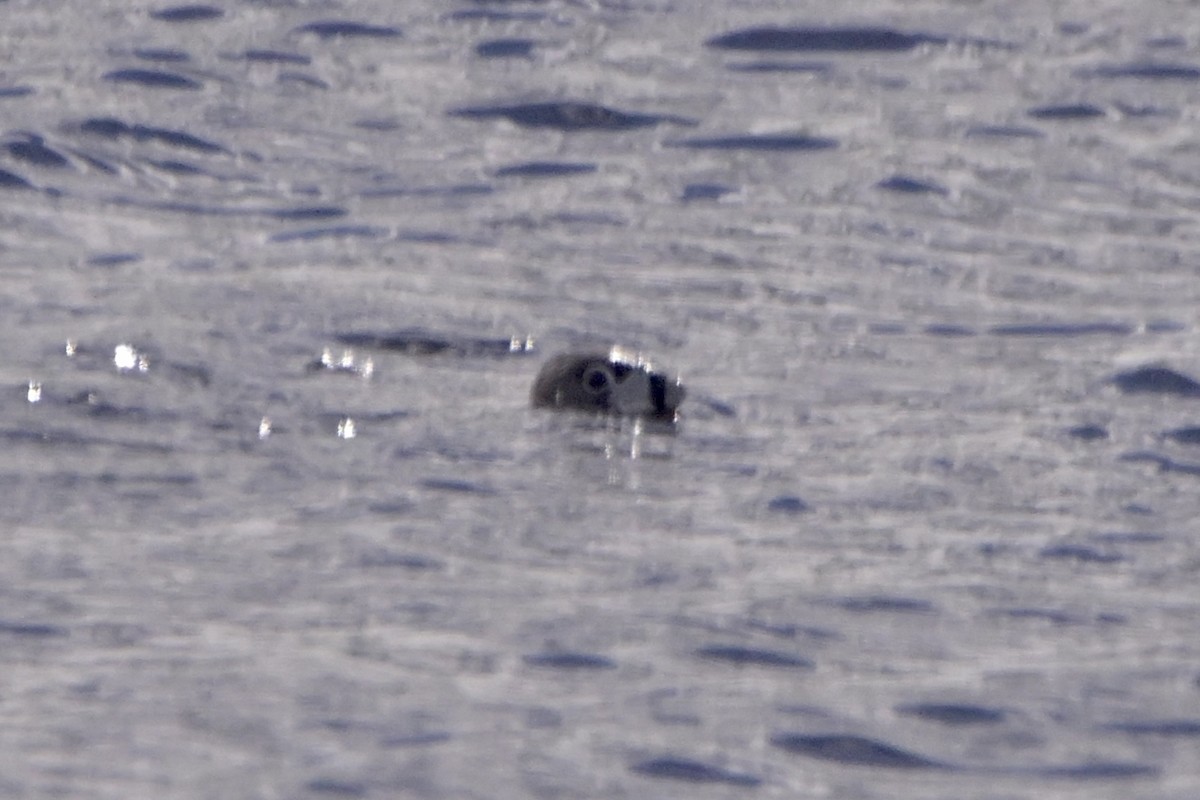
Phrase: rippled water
pixel 278 519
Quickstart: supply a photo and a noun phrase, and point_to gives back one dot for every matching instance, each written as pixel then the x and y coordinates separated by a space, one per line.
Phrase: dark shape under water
pixel 1078 111
pixel 567 116
pixel 844 40
pixel 189 13
pixel 752 656
pixel 545 169
pixel 906 185
pixel 1157 380
pixel 684 769
pixel 418 342
pixel 333 29
pixel 152 79
pixel 953 713
pixel 758 142
pixel 853 750
pixel 505 48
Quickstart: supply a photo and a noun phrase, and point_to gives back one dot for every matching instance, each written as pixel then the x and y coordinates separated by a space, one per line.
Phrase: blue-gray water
pixel 924 530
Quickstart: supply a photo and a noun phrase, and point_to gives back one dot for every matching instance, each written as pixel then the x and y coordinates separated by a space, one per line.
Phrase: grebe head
pixel 617 382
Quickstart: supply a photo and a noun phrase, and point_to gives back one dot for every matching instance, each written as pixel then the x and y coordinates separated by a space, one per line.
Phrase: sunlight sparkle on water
pixel 128 359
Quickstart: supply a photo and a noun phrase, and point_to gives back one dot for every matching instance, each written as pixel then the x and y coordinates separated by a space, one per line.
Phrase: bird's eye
pixel 596 379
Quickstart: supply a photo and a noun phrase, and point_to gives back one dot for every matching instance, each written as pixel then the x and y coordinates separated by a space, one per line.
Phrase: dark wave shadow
pixel 841 40
pixel 779 143
pixel 1066 113
pixel 32 149
pixel 1183 728
pixel 545 169
pixel 1098 771
pixel 751 656
pixel 689 771
pixel 113 259
pixel 505 48
pixel 493 15
pixel 307 213
pixel 1004 132
pixel 418 342
pixel 1088 433
pixel 704 191
pixel 1189 435
pixel 1064 329
pixel 877 603
pixel 161 55
pixel 336 788
pixel 455 486
pixel 152 79
pixel 853 750
pixel 1156 380
pixel 953 713
pixel 113 128
pixel 943 329
pixel 33 630
pixel 567 116
pixel 332 232
pixel 809 67
pixel 904 184
pixel 276 57
pixel 1146 70
pixel 1080 553
pixel 788 504
pixel 187 13
pixel 861 751
pixel 339 29
pixel 569 661
pixel 1163 463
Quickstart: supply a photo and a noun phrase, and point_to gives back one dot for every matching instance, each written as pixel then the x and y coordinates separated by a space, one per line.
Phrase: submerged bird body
pixel 614 383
